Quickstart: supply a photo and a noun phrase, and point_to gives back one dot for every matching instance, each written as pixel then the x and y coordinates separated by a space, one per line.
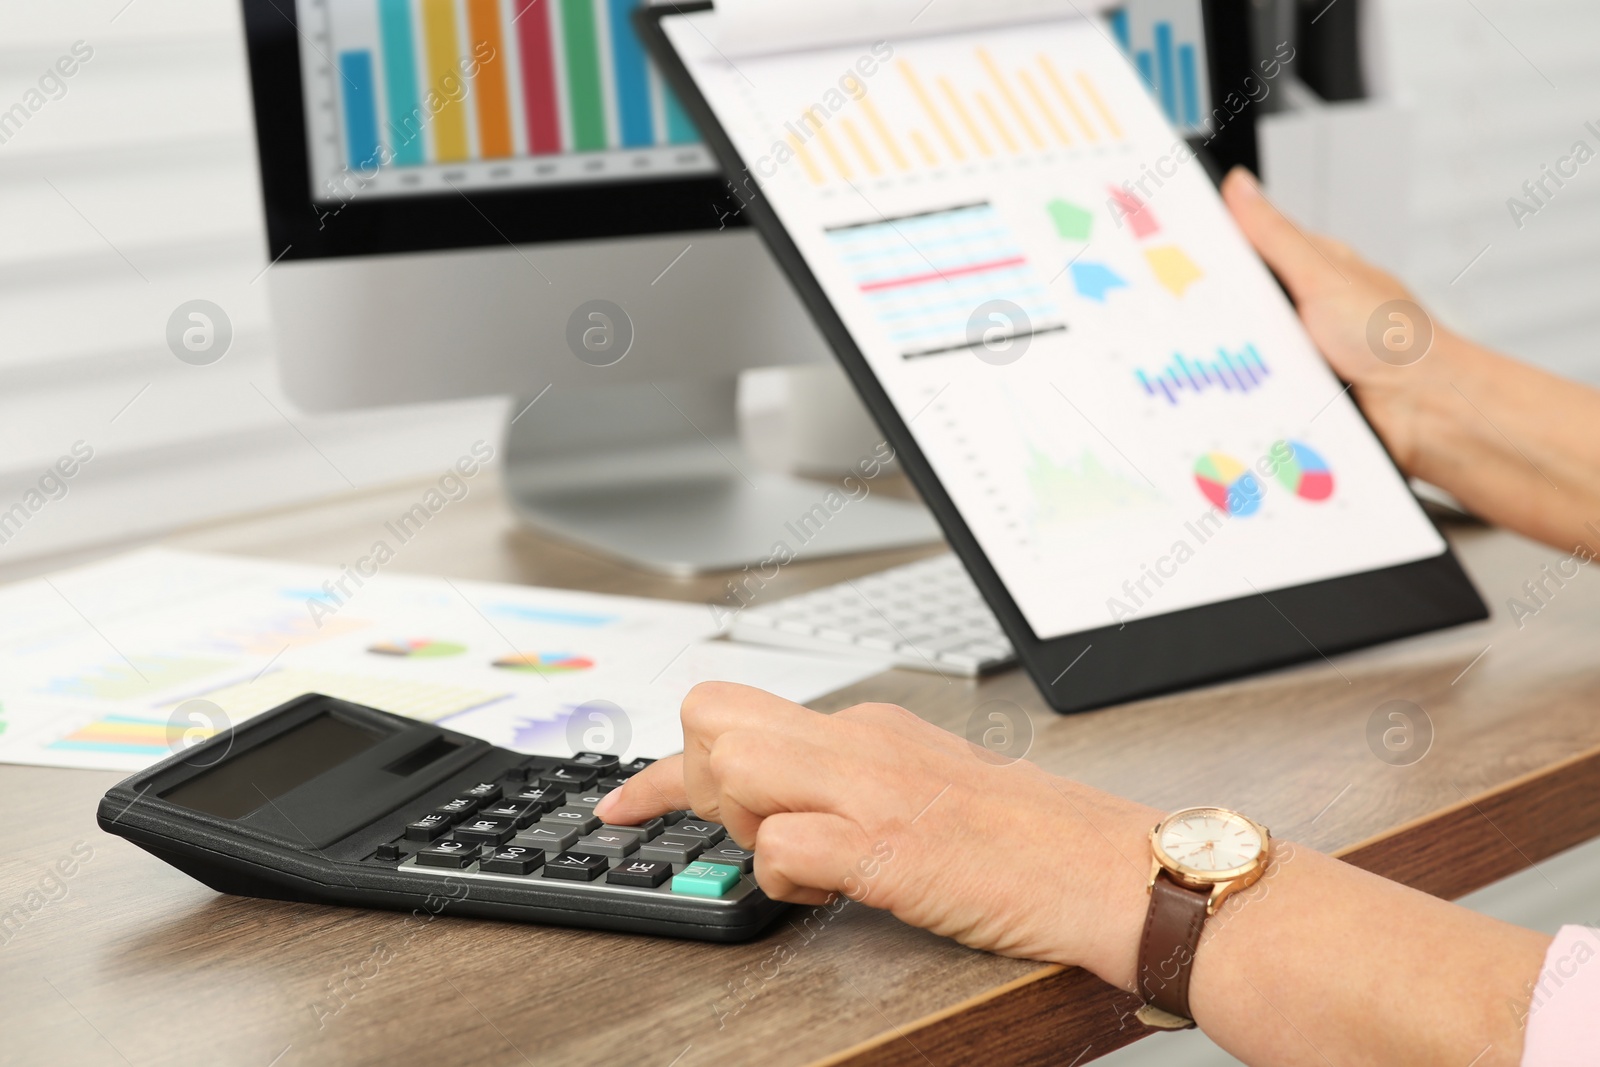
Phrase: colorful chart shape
pixel 1305 474
pixel 1238 372
pixel 1228 484
pixel 1127 208
pixel 1072 222
pixel 1173 268
pixel 544 662
pixel 121 735
pixel 418 647
pixel 1094 280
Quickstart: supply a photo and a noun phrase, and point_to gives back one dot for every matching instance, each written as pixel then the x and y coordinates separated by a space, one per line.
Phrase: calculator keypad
pixel 539 825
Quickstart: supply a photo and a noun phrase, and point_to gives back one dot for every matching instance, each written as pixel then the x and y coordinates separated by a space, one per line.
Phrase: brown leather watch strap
pixel 1166 950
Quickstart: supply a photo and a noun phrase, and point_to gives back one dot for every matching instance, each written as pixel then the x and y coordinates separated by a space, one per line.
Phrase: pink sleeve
pixel 1564 1015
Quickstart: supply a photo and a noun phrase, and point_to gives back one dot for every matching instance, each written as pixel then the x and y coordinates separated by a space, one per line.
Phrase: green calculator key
pixel 705 880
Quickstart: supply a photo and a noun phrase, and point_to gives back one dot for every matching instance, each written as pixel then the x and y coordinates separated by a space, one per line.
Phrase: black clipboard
pixel 1146 656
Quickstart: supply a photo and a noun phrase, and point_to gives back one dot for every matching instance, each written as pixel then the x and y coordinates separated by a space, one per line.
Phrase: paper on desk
pixel 96 663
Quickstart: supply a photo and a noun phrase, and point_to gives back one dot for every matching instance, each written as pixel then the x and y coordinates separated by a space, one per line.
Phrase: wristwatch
pixel 1198 858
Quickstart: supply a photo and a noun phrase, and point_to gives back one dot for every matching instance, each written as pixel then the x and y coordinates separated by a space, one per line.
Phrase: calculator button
pixel 676 816
pixel 600 761
pixel 672 849
pixel 545 797
pixel 486 831
pixel 518 813
pixel 585 800
pixel 456 854
pixel 574 867
pixel 612 843
pixel 517 774
pixel 570 777
pixel 483 792
pixel 650 828
pixel 513 859
pixel 388 853
pixel 581 819
pixel 428 827
pixel 459 808
pixel 646 874
pixel 705 880
pixel 730 855
pixel 710 831
pixel 635 766
pixel 606 785
pixel 549 838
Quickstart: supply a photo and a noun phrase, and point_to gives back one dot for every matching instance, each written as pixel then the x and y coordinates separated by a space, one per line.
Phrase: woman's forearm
pixel 1335 965
pixel 1515 445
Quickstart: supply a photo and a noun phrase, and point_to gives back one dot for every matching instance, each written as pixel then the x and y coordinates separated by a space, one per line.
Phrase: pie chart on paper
pixel 418 648
pixel 1228 484
pixel 544 662
pixel 1306 474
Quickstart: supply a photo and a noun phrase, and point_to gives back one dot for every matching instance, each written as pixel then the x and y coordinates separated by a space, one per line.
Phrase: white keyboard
pixel 927 615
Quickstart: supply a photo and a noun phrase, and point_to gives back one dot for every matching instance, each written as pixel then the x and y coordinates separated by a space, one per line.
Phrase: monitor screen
pixel 417 96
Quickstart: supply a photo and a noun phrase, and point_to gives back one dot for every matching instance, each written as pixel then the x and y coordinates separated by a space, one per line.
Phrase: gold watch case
pixel 1221 884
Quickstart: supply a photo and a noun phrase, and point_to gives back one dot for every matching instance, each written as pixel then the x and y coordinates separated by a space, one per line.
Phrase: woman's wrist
pixel 1103 894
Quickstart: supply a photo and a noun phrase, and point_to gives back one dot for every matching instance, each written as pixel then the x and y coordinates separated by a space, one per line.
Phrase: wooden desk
pixel 134 963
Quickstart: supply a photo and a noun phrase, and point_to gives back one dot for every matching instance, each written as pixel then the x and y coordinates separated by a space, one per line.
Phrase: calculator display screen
pixel 238 786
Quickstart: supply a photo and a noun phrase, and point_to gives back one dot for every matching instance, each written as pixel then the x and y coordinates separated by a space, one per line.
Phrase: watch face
pixel 1210 840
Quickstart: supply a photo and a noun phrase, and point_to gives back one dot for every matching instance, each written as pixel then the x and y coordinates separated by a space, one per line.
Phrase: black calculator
pixel 324 801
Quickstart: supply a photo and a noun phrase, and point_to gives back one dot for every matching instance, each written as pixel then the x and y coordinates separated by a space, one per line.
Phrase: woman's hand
pixel 1516 445
pixel 879 805
pixel 1337 294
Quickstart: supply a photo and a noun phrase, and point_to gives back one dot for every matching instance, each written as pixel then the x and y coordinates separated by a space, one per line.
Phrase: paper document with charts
pixel 1106 380
pixel 119 664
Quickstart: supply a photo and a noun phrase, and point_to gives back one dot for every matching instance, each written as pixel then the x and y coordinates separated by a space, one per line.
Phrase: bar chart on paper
pixel 1238 373
pixel 986 106
pixel 924 274
pixel 492 91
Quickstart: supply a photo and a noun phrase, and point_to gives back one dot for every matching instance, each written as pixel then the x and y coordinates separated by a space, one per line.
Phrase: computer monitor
pixel 480 197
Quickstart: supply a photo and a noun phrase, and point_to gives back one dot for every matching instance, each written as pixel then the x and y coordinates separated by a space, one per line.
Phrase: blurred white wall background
pixel 135 191
pixel 1499 89
pixel 129 194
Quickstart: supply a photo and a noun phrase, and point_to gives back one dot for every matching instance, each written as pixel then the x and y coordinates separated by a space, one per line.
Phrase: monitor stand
pixel 655 475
